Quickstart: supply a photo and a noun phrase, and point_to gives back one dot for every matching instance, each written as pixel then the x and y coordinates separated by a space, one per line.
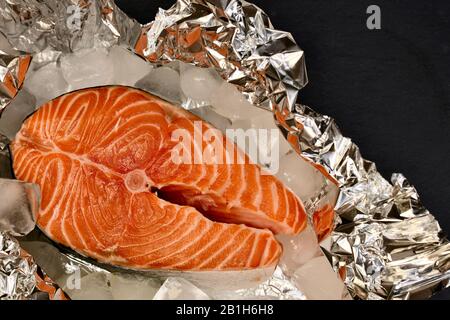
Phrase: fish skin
pixel 96 152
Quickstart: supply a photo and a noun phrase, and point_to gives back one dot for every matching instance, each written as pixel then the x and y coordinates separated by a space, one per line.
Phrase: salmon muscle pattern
pixel 111 191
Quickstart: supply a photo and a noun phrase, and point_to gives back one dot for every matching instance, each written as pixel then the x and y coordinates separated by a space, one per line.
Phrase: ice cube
pixel 46 83
pixel 262 124
pixel 15 113
pixel 299 249
pixel 179 289
pixel 94 286
pixel 87 68
pixel 267 137
pixel 133 287
pixel 19 202
pixel 261 119
pixel 318 280
pixel 264 119
pixel 300 176
pixel 209 115
pixel 163 82
pixel 128 67
pixel 199 84
pixel 230 103
pixel 285 146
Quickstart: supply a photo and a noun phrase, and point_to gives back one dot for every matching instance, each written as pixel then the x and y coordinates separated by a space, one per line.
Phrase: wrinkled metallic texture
pixel 64 25
pixel 17 280
pixel 13 67
pixel 20 277
pixel 32 26
pixel 238 39
pixel 277 287
pixel 386 244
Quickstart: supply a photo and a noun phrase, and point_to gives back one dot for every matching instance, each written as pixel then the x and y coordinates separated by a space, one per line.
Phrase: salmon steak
pixel 111 190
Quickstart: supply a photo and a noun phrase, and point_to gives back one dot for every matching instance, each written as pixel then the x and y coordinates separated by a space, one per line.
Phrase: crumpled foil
pixel 33 26
pixel 235 37
pixel 13 67
pixel 278 286
pixel 66 25
pixel 386 245
pixel 20 277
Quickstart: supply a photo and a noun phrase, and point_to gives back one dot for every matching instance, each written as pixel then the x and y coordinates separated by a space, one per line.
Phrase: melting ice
pixel 179 289
pixel 163 82
pixel 18 204
pixel 15 113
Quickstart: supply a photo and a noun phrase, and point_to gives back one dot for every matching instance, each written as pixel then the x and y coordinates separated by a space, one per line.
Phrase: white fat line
pixel 70 105
pixel 237 250
pixel 117 121
pixel 165 223
pixel 53 205
pixel 266 252
pixel 179 222
pixel 259 194
pixel 274 192
pixel 205 248
pixel 69 212
pixel 86 195
pixel 55 200
pixel 204 231
pixel 287 209
pixel 121 96
pixel 178 238
pixel 76 196
pixel 252 252
pixel 227 244
pixel 65 201
pixel 82 159
pixel 243 186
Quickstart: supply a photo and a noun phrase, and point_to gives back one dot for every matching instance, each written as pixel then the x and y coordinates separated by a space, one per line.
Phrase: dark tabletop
pixel 388 89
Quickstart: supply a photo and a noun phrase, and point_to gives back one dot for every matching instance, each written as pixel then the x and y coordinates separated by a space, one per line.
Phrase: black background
pixel 388 89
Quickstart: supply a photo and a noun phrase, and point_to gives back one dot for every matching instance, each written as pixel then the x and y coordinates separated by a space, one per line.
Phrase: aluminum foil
pixel 279 286
pixel 386 245
pixel 20 277
pixel 17 280
pixel 235 37
pixel 32 26
pixel 13 67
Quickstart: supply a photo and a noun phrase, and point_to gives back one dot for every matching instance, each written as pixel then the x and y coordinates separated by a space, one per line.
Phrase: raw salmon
pixel 111 191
